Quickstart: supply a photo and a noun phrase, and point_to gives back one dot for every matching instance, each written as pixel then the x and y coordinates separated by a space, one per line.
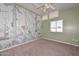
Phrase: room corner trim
pixel 61 42
pixel 18 45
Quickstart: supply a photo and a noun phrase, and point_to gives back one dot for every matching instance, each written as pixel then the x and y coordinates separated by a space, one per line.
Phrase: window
pixel 56 26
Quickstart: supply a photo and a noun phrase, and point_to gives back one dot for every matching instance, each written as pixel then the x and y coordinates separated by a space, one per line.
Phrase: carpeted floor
pixel 42 48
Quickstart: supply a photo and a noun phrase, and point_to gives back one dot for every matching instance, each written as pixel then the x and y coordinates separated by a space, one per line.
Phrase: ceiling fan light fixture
pixel 47 7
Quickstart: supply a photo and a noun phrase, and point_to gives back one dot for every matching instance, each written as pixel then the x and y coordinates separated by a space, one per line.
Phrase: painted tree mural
pixel 17 25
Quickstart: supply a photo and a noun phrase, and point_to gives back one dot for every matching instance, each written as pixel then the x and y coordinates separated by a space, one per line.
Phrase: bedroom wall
pixel 17 25
pixel 70 32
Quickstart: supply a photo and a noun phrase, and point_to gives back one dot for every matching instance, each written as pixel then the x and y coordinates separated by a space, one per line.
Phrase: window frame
pixel 56 29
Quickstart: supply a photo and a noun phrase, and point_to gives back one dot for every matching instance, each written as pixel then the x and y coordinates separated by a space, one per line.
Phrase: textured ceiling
pixel 59 6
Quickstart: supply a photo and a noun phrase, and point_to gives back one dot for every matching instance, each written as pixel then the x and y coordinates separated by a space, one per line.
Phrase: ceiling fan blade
pixel 52 7
pixel 41 7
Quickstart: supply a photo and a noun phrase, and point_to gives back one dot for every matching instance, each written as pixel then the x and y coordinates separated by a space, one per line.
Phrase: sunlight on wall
pixel 70 28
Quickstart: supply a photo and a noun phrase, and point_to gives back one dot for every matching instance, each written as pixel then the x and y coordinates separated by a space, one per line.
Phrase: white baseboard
pixel 18 45
pixel 35 40
pixel 61 42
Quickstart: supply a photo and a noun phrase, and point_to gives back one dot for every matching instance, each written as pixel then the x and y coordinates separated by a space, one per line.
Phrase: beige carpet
pixel 42 48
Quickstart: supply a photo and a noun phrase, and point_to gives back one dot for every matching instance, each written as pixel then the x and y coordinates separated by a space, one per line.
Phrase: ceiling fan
pixel 47 7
